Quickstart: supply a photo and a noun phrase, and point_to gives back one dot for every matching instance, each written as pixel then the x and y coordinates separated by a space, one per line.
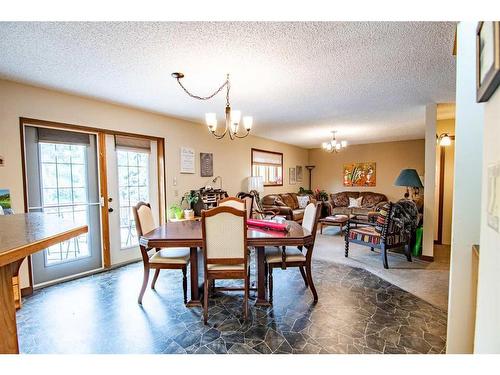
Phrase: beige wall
pixel 466 195
pixel 390 157
pixel 487 334
pixel 231 158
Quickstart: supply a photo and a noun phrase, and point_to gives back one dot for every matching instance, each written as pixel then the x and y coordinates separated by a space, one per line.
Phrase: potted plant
pixel 321 195
pixel 303 191
pixel 190 198
pixel 175 211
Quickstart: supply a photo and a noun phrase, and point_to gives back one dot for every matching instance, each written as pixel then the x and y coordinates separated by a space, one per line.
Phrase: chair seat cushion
pixel 273 255
pixel 370 235
pixel 171 256
pixel 225 267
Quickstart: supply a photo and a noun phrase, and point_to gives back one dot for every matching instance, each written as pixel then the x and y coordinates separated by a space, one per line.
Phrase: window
pixel 133 186
pixel 64 193
pixel 269 165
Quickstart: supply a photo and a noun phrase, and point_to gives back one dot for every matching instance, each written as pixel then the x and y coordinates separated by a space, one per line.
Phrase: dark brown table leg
pixel 8 330
pixel 261 278
pixel 195 289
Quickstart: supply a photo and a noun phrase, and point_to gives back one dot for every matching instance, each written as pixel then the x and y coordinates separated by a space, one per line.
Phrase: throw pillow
pixel 355 202
pixel 303 200
pixel 340 200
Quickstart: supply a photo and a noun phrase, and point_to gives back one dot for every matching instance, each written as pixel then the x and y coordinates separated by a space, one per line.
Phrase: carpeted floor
pixel 427 280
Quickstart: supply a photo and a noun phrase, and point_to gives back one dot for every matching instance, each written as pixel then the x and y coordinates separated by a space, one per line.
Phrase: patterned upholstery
pixel 370 235
pixel 289 201
pixel 225 237
pixel 146 219
pixel 340 199
pixel 234 204
pixel 309 217
pixel 382 217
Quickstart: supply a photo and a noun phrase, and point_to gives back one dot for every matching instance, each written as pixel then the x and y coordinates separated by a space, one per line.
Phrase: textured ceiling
pixel 368 80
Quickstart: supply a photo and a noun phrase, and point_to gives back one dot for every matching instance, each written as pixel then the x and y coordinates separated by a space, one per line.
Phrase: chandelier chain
pixel 225 84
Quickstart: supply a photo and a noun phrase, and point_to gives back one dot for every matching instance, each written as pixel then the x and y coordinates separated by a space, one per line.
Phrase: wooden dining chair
pixel 234 202
pixel 225 249
pixel 171 258
pixel 294 257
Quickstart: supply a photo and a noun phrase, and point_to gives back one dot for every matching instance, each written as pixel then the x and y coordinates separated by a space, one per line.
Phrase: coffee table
pixel 334 221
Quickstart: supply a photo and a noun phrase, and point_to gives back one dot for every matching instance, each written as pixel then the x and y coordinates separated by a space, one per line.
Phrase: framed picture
pixel 360 174
pixel 291 176
pixel 487 59
pixel 298 173
pixel 206 164
pixel 187 160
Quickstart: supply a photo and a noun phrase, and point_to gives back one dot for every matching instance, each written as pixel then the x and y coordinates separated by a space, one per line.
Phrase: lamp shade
pixel 409 178
pixel 256 183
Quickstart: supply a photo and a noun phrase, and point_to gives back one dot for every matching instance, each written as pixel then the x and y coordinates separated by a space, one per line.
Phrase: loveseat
pixel 287 204
pixel 339 203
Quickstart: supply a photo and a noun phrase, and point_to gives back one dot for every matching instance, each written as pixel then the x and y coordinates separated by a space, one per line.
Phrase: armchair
pixel 385 233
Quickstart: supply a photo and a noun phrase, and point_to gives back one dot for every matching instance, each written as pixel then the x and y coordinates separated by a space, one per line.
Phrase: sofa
pixel 339 203
pixel 286 204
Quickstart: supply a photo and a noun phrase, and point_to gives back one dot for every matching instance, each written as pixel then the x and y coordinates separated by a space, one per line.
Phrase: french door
pixel 62 180
pixel 132 175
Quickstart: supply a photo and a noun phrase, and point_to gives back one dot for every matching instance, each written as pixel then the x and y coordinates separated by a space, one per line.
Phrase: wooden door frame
pixel 442 162
pixel 102 167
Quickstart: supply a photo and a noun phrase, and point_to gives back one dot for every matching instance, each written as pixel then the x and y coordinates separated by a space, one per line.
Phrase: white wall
pixel 429 179
pixel 467 195
pixel 487 335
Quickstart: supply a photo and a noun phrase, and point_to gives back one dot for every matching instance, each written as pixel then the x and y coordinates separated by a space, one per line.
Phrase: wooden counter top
pixel 25 234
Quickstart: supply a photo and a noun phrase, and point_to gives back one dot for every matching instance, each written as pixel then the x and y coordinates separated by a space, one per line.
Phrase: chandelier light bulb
pixel 248 122
pixel 445 140
pixel 211 120
pixel 235 117
pixel 343 144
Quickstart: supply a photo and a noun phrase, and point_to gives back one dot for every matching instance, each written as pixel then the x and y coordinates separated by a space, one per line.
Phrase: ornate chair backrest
pixel 248 199
pixel 310 220
pixel 233 202
pixel 384 223
pixel 144 223
pixel 224 235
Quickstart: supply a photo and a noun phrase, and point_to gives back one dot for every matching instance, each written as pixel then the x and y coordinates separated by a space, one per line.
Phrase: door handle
pixel 110 209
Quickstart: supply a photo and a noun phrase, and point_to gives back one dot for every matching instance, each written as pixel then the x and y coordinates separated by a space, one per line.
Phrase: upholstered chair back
pixel 144 218
pixel 224 234
pixel 233 202
pixel 309 217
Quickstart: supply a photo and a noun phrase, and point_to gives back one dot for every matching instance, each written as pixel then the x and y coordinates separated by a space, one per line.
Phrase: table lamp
pixel 256 183
pixel 408 178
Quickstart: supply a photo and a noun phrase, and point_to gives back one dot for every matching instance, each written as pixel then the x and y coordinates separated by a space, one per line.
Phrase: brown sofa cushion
pixel 270 200
pixel 371 199
pixel 340 199
pixel 298 214
pixel 289 201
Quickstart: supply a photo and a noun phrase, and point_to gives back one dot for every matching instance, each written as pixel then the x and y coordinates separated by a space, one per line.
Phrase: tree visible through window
pixel 269 165
pixel 133 185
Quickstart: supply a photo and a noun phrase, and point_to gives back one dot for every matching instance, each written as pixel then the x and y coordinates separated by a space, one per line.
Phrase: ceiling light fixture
pixel 233 118
pixel 333 145
pixel 444 139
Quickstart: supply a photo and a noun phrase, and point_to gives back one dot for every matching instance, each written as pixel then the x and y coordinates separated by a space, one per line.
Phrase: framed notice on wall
pixel 206 164
pixel 187 160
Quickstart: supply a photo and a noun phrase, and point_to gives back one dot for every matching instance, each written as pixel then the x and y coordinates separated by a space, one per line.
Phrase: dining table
pixel 189 234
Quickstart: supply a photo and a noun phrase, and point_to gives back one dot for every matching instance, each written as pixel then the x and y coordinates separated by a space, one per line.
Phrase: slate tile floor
pixel 357 312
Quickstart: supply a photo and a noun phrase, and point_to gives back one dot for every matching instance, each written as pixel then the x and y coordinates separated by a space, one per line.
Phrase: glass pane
pixel 63 153
pixel 49 175
pixel 78 175
pixel 50 197
pixel 48 153
pixel 64 175
pixel 77 155
pixel 133 181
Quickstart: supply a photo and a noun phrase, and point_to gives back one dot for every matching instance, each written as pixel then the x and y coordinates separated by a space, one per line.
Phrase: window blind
pixel 125 142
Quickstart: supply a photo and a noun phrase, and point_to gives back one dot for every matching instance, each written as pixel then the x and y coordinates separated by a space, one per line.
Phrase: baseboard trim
pixel 28 291
pixel 427 258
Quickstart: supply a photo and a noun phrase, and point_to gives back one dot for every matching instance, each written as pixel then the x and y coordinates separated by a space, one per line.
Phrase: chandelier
pixel 333 145
pixel 233 118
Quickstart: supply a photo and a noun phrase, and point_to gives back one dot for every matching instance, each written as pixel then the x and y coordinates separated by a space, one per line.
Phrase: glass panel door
pixel 63 181
pixel 132 177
